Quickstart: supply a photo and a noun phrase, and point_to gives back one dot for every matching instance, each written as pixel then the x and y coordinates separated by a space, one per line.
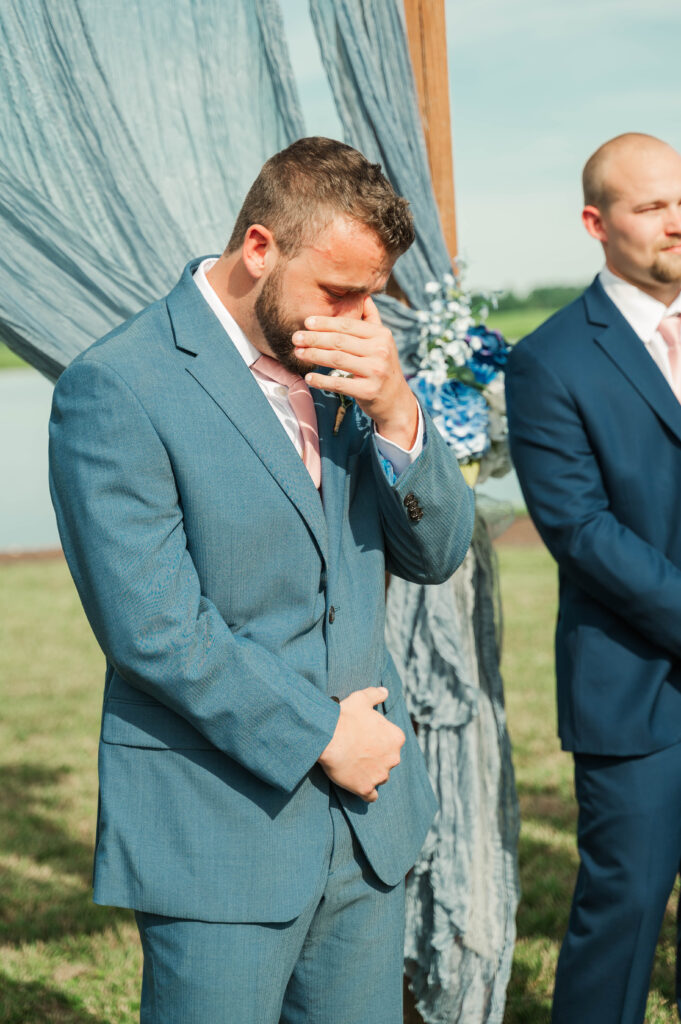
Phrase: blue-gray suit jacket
pixel 231 602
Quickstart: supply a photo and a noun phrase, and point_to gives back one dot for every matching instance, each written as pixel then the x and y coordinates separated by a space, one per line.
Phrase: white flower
pixel 437 306
pixel 449 280
pixel 432 288
pixel 422 316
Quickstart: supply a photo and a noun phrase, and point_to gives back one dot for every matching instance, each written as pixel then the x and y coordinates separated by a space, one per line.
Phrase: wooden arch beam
pixel 427 35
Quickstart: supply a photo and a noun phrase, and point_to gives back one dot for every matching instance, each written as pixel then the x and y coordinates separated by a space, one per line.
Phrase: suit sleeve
pixel 563 487
pixel 427 512
pixel 121 526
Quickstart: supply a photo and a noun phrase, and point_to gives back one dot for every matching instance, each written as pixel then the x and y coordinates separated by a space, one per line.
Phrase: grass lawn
pixel 514 324
pixel 8 359
pixel 63 960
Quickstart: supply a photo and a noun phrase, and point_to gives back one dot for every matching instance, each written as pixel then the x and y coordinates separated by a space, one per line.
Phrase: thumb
pixel 375 694
pixel 370 312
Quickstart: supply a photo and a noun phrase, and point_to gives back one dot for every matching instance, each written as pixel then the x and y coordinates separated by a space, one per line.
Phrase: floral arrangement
pixel 460 378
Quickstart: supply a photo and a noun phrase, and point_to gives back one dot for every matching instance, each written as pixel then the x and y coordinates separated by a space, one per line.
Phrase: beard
pixel 276 326
pixel 666 267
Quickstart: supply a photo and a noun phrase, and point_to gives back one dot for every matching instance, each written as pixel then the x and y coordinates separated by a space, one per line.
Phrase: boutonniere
pixel 344 401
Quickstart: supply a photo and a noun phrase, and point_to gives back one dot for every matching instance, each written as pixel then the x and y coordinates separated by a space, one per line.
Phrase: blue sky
pixel 535 86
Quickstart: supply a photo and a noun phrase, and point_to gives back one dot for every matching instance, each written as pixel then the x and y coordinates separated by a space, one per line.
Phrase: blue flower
pixel 489 353
pixel 459 412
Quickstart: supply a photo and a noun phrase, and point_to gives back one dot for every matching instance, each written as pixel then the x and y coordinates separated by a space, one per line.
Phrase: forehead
pixel 647 175
pixel 347 252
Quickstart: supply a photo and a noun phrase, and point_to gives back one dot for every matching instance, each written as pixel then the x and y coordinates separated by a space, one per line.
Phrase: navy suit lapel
pixel 220 370
pixel 623 346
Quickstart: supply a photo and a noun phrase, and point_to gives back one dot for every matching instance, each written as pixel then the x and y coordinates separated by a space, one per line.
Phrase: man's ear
pixel 259 250
pixel 593 222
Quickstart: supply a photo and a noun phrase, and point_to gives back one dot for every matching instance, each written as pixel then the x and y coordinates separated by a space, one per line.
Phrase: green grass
pixel 9 360
pixel 66 961
pixel 514 324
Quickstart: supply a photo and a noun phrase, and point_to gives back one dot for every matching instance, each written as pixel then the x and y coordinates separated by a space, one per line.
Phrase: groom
pixel 594 404
pixel 262 794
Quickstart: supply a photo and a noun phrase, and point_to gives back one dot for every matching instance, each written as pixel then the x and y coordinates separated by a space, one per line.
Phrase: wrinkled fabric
pixel 131 133
pixel 366 55
pixel 463 892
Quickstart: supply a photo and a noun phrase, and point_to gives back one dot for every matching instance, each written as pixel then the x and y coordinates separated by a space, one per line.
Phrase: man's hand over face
pixel 367 350
pixel 365 745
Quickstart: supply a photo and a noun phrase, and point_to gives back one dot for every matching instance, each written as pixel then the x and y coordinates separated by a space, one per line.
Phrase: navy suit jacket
pixel 232 602
pixel 596 441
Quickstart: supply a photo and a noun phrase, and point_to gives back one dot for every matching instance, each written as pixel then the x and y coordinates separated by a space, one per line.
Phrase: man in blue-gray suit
pixel 594 402
pixel 251 710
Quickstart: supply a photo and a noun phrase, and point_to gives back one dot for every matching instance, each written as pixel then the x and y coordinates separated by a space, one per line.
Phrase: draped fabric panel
pixel 132 131
pixel 463 892
pixel 365 52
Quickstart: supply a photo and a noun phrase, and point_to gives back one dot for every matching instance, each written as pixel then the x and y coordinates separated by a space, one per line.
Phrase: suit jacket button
pixel 332 614
pixel 415 515
pixel 337 699
pixel 410 499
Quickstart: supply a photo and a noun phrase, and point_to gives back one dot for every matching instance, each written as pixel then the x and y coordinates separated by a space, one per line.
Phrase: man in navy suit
pixel 262 793
pixel 594 404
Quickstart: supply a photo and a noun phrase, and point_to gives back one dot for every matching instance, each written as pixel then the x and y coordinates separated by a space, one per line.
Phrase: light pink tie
pixel 670 329
pixel 300 397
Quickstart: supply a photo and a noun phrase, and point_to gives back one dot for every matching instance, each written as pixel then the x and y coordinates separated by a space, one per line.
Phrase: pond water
pixel 26 518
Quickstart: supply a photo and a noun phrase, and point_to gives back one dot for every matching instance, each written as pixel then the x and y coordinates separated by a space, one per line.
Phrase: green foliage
pixel 547 297
pixel 64 960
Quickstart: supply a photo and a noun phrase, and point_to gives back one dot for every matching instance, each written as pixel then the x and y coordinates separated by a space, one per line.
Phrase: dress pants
pixel 339 962
pixel 629 836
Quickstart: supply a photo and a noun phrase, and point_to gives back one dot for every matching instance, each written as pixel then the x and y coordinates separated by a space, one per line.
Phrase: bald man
pixel 594 401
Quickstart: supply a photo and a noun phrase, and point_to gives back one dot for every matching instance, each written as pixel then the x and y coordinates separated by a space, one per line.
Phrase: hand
pixel 367 350
pixel 365 745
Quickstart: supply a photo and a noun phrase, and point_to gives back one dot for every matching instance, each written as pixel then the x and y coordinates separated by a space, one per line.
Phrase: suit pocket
pixel 153 726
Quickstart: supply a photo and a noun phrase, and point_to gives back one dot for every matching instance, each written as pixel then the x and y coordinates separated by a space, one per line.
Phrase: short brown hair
pixel 302 188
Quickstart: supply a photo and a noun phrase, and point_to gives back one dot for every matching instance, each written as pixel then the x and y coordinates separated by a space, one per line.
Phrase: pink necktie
pixel 300 397
pixel 670 329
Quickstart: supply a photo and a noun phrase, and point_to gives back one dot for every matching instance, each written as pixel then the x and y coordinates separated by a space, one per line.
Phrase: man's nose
pixel 673 221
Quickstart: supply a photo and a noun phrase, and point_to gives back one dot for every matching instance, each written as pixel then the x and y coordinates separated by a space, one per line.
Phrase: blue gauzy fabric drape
pixel 366 55
pixel 463 892
pixel 131 133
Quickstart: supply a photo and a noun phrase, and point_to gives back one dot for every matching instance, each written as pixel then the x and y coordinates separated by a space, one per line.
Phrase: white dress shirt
pixel 276 394
pixel 643 313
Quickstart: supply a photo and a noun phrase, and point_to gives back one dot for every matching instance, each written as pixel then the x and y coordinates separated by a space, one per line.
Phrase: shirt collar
pixel 248 352
pixel 641 310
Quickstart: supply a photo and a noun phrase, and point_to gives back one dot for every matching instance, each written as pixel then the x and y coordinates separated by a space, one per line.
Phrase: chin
pixel 667 268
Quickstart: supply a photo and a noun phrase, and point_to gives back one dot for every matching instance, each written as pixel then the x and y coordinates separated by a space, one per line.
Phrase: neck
pixel 236 290
pixel 664 292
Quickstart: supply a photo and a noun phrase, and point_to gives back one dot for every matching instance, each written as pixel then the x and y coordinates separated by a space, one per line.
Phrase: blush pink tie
pixel 670 329
pixel 300 398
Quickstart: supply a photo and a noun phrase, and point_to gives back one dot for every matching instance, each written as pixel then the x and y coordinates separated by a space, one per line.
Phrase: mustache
pixel 673 241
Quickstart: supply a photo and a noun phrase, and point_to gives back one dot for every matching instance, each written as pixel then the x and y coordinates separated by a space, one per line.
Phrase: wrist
pixel 402 424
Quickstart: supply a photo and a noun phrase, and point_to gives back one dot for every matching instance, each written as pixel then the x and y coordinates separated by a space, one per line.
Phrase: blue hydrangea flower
pixel 459 412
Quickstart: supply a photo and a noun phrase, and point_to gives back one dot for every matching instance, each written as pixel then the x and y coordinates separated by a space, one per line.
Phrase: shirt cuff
pixel 395 457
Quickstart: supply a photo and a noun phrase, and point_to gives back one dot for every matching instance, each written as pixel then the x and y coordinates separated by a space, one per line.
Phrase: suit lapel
pixel 622 345
pixel 224 376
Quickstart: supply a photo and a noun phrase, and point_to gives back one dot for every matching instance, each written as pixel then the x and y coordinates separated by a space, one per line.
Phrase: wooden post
pixel 426 31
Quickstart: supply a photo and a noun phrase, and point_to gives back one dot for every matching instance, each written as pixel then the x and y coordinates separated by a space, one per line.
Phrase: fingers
pixel 374 695
pixel 370 312
pixel 342 325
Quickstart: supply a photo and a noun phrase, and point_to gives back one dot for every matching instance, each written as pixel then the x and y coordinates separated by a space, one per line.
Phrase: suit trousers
pixel 629 837
pixel 339 962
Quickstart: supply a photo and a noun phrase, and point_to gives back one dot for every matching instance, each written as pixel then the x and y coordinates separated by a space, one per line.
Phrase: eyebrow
pixel 350 290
